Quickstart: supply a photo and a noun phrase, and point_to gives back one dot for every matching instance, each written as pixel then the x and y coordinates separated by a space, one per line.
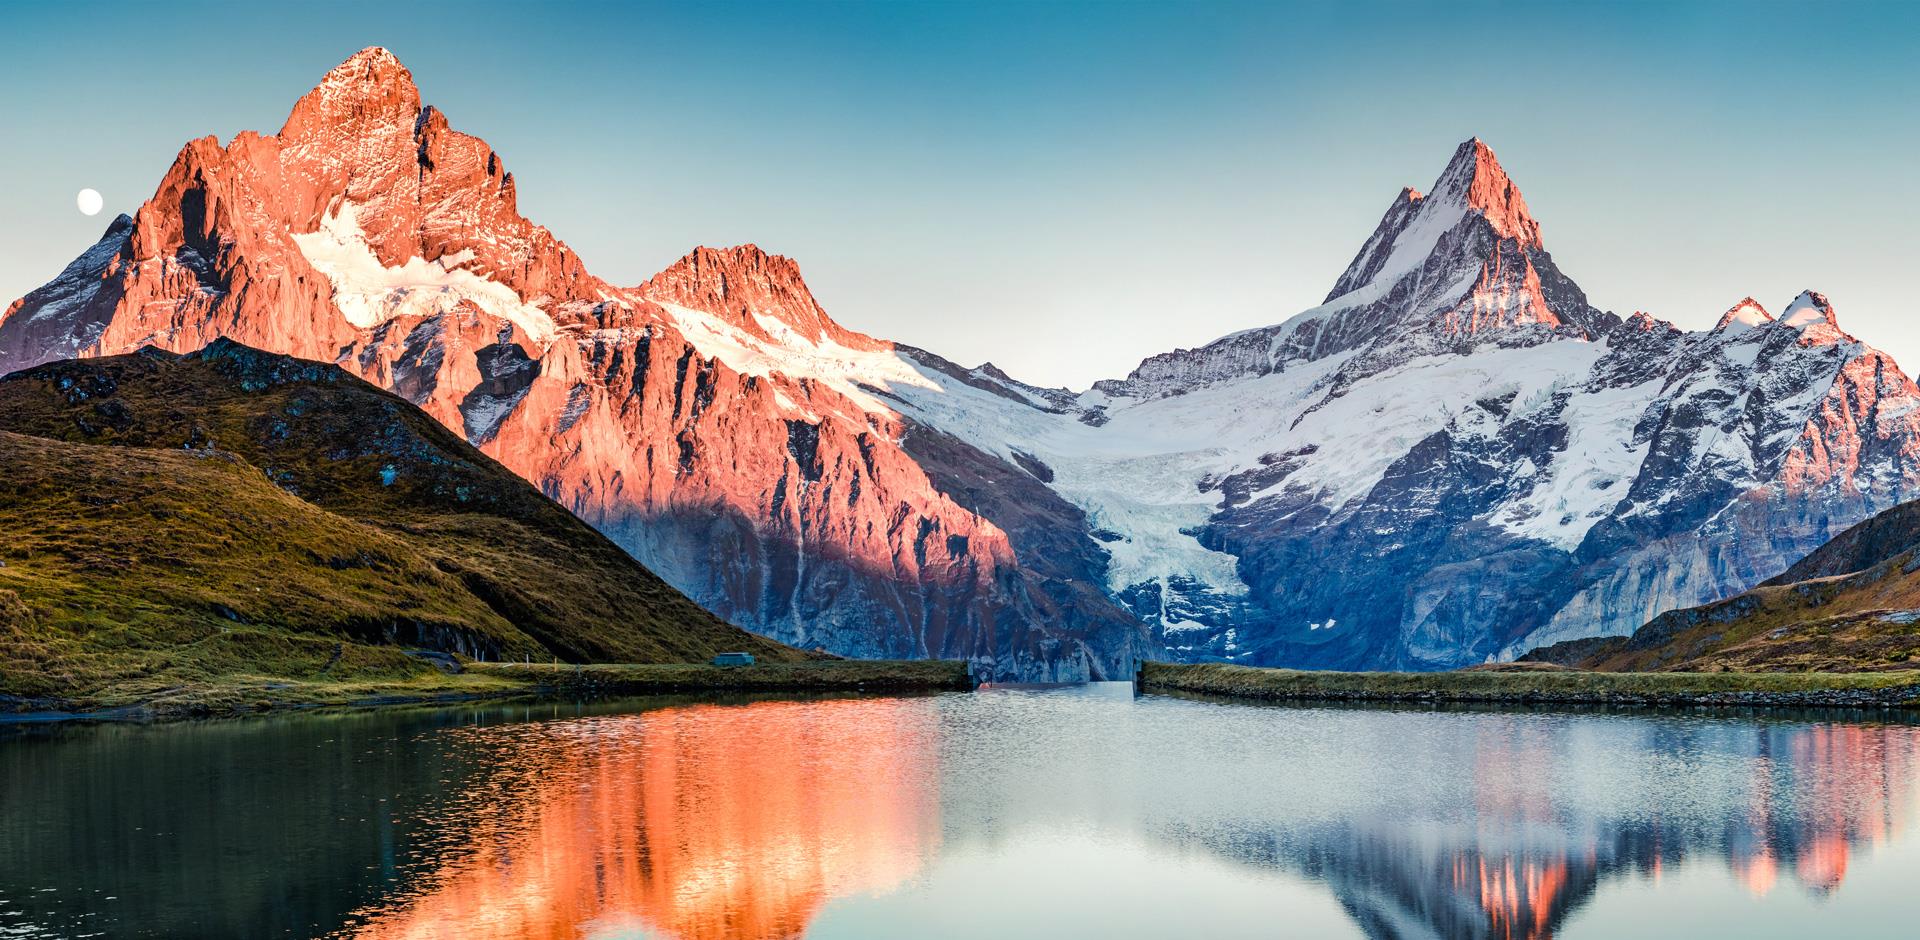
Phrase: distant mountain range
pixel 1454 459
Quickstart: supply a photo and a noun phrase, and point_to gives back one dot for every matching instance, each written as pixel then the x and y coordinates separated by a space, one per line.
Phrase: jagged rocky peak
pixel 371 86
pixel 1475 178
pixel 1447 270
pixel 755 290
pixel 1473 182
pixel 1810 309
pixel 1810 315
pixel 292 241
pixel 1745 315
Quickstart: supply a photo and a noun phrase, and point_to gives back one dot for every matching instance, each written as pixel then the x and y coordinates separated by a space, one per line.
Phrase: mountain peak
pixel 1475 178
pixel 1473 183
pixel 750 287
pixel 1742 316
pixel 370 86
pixel 1809 309
pixel 374 66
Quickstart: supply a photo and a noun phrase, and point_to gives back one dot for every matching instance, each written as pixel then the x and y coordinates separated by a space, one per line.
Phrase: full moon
pixel 88 201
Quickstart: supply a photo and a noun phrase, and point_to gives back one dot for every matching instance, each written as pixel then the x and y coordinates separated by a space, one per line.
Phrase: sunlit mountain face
pixel 699 822
pixel 1013 813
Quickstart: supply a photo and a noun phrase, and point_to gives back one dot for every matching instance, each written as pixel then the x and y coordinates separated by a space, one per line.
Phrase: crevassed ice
pixel 1134 477
pixel 1582 484
pixel 369 293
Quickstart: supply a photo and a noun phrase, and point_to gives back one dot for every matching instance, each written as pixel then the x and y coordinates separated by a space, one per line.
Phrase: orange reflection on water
pixel 1758 871
pixel 1521 896
pixel 1855 784
pixel 690 823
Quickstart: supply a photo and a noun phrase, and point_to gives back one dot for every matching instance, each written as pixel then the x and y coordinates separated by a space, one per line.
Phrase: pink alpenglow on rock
pixel 688 418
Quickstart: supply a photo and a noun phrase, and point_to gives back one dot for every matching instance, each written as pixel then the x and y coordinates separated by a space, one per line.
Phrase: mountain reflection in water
pixel 1015 813
pixel 1802 798
pixel 705 821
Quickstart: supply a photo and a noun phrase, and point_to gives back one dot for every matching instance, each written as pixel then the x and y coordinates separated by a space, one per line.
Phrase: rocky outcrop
pixel 753 291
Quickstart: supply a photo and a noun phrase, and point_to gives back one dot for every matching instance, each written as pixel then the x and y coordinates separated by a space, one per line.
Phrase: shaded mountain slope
pixel 1852 604
pixel 174 517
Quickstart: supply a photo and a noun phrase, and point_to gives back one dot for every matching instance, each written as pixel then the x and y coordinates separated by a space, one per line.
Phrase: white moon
pixel 88 201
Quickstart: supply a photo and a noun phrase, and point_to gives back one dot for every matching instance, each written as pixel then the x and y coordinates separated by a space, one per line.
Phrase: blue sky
pixel 1062 188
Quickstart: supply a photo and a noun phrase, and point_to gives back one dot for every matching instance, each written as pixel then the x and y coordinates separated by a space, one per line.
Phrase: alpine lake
pixel 1082 811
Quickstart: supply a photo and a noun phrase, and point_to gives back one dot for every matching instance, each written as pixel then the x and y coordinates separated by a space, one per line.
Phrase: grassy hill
pixel 232 521
pixel 1852 605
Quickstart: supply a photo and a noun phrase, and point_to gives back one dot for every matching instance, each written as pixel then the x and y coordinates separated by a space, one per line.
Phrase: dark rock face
pixel 1065 566
pixel 1847 606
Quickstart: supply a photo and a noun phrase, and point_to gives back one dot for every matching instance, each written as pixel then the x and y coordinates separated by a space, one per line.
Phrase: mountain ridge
pixel 1455 459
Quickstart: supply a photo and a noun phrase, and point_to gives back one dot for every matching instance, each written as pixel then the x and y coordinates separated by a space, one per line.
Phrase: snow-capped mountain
pixel 713 421
pixel 1456 457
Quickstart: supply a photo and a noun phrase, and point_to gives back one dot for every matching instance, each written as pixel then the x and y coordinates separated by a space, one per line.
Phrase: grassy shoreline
pixel 250 695
pixel 1893 689
pixel 840 675
pixel 256 695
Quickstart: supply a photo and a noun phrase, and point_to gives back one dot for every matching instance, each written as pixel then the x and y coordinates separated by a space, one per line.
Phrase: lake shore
pixel 840 675
pixel 483 681
pixel 1544 686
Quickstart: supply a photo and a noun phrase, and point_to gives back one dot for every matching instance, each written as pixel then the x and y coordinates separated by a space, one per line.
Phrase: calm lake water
pixel 1084 812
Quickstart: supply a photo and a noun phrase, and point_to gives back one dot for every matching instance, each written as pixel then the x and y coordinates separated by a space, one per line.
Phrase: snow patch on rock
pixel 369 293
pixel 851 372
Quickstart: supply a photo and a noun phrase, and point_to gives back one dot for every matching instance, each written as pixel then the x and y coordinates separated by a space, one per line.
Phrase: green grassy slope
pixel 238 517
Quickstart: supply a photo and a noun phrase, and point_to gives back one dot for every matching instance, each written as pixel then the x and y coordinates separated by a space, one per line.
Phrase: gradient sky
pixel 1062 188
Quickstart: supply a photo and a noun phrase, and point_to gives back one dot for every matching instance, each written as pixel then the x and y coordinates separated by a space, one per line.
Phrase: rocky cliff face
pixel 1456 457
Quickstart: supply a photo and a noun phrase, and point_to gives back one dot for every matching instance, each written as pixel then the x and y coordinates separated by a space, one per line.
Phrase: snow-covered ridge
pixel 1472 183
pixel 1453 268
pixel 851 372
pixel 369 293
